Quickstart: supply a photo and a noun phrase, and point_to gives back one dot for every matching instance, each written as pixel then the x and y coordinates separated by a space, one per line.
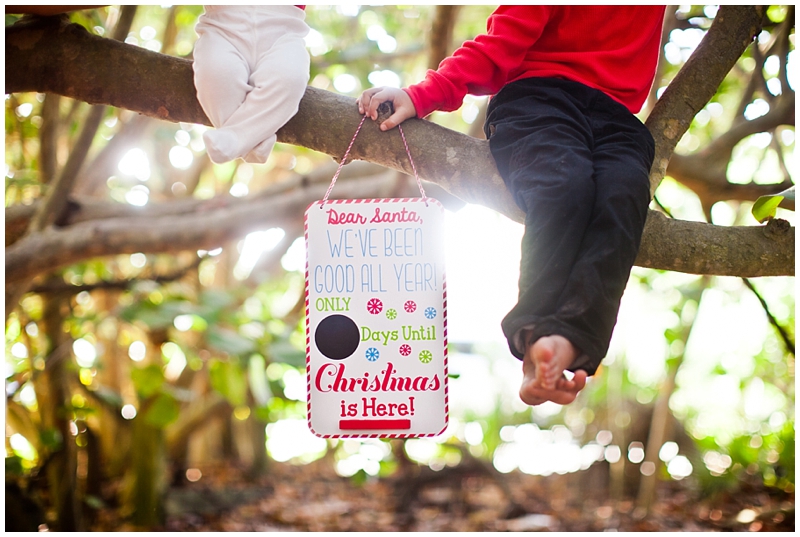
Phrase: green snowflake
pixel 391 314
pixel 425 356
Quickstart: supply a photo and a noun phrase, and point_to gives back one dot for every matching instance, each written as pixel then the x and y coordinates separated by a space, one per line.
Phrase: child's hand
pixel 369 101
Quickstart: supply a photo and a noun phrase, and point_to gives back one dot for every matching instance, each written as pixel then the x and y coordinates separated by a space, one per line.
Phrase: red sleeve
pixel 481 66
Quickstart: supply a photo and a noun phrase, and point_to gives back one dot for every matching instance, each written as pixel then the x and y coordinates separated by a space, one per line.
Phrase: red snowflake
pixel 405 350
pixel 374 306
pixel 410 306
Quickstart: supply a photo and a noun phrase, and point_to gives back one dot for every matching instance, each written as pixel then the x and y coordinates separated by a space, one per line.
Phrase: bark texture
pixel 52 56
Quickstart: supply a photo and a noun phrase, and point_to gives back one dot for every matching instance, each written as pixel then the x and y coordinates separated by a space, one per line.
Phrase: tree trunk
pixel 148 472
pixel 53 396
pixel 660 424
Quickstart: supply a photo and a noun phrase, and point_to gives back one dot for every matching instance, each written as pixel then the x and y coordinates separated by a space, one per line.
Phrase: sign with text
pixel 376 318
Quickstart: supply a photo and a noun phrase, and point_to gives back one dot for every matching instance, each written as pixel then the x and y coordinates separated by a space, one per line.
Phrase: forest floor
pixel 463 498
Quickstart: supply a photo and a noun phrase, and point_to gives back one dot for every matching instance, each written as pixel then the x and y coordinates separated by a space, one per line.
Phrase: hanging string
pixel 346 153
pixel 411 160
pixel 342 163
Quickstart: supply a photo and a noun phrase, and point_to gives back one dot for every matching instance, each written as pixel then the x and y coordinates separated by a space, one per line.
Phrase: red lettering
pixel 340 384
pixel 336 218
pixel 372 408
pixel 434 385
pixel 387 374
pixel 401 384
pixel 324 370
pixel 331 378
pixel 390 217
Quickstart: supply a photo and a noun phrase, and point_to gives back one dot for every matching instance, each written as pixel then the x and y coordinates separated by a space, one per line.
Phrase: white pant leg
pixel 278 82
pixel 221 69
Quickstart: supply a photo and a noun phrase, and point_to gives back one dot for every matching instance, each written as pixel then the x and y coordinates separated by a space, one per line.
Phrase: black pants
pixel 577 162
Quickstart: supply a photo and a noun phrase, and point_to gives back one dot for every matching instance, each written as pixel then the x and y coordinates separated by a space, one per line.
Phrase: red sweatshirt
pixel 610 48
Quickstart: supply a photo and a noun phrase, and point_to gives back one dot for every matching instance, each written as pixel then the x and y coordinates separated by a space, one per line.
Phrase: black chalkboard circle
pixel 337 337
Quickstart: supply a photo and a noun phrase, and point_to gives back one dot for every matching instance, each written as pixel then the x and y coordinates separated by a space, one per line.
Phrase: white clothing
pixel 251 69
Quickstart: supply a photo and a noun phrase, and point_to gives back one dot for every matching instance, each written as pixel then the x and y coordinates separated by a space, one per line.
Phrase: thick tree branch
pixel 730 34
pixel 87 209
pixel 43 57
pixel 706 172
pixel 207 228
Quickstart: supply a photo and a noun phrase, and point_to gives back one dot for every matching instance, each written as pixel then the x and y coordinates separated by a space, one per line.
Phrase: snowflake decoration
pixel 410 306
pixel 391 314
pixel 430 313
pixel 405 350
pixel 425 357
pixel 374 306
pixel 373 354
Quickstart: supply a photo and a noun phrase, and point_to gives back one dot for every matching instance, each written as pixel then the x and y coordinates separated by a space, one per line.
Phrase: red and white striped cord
pixel 346 153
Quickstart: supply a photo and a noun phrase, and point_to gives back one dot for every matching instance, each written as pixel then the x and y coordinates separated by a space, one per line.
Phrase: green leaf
pixel 216 299
pixel 109 396
pixel 147 380
pixel 286 353
pixel 162 411
pixel 95 502
pixel 262 413
pixel 13 466
pixel 765 206
pixel 229 380
pixel 51 439
pixel 155 316
pixel 257 375
pixel 229 341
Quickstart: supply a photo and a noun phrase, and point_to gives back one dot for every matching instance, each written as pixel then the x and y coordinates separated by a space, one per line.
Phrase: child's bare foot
pixel 564 393
pixel 543 372
pixel 551 355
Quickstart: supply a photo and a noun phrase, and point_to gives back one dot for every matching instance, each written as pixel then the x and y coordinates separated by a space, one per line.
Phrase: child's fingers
pixel 371 99
pixel 376 99
pixel 364 100
pixel 402 112
pixel 392 121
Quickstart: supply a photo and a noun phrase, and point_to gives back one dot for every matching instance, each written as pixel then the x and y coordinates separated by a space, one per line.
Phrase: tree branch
pixel 441 34
pixel 787 340
pixel 88 209
pixel 42 57
pixel 206 228
pixel 64 288
pixel 57 196
pixel 706 172
pixel 730 34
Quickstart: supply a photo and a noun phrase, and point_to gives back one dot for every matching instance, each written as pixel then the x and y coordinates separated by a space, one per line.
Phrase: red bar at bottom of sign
pixel 374 424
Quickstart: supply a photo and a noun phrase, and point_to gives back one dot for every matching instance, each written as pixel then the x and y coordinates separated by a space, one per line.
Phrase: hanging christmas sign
pixel 376 318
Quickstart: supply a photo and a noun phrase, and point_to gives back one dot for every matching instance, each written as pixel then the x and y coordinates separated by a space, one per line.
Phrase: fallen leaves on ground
pixel 313 498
